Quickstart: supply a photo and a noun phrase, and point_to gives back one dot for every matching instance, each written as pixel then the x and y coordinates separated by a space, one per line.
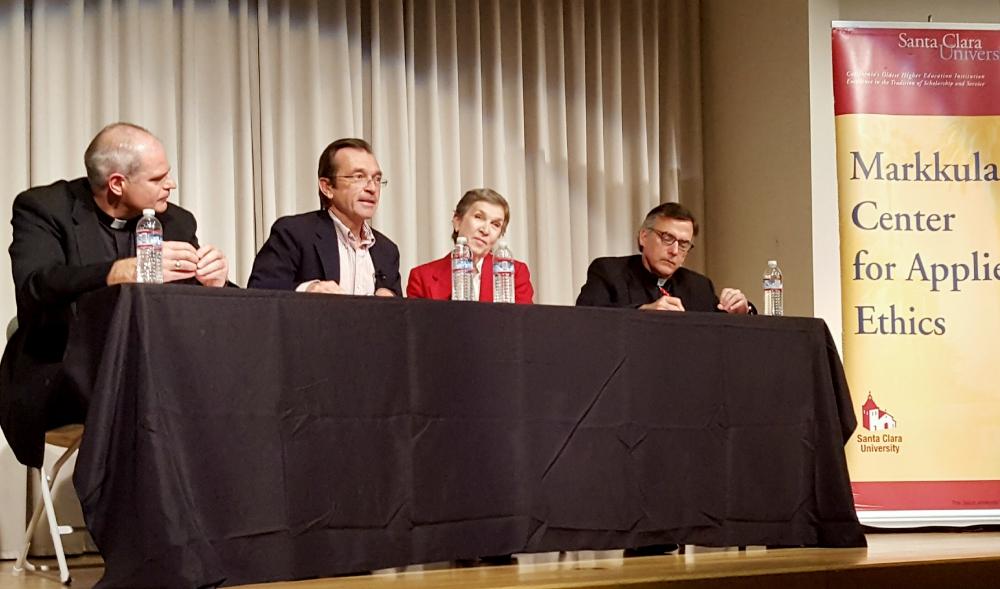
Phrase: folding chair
pixel 68 437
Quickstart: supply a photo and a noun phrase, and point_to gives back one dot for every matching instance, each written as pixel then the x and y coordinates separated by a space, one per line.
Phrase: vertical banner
pixel 918 148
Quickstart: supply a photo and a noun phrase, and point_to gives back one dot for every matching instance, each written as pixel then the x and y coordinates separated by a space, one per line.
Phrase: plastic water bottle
pixel 461 271
pixel 149 248
pixel 503 274
pixel 773 304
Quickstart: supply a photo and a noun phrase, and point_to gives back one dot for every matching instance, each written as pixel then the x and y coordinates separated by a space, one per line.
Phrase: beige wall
pixel 756 134
pixel 823 173
pixel 770 182
pixel 952 11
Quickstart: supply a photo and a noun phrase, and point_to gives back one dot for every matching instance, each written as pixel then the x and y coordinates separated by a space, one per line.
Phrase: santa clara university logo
pixel 874 418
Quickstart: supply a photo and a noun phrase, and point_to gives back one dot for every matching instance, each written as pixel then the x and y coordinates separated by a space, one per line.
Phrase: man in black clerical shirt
pixel 75 236
pixel 655 279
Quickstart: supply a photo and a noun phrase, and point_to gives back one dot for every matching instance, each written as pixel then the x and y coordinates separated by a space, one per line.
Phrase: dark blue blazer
pixel 304 247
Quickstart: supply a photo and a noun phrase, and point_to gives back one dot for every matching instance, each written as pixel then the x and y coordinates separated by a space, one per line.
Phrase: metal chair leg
pixel 44 502
pixel 22 564
pixel 50 512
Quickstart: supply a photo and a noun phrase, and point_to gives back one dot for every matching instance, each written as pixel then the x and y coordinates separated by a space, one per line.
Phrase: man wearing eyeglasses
pixel 334 250
pixel 655 279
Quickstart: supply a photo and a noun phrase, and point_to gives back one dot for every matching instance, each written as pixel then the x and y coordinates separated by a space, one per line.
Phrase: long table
pixel 238 436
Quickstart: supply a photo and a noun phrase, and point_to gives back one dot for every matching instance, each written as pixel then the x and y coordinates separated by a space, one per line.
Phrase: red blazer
pixel 433 281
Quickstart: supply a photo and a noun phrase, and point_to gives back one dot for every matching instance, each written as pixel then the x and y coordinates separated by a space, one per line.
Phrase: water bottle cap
pixel 461 240
pixel 502 242
pixel 772 263
pixel 148 212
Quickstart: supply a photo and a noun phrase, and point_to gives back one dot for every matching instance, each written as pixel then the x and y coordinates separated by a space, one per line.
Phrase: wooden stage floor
pixel 911 560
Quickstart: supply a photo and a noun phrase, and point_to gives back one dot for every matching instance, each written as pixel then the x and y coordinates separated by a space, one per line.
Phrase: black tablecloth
pixel 239 436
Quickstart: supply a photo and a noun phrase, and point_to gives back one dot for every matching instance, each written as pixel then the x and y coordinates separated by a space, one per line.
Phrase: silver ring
pixel 177 264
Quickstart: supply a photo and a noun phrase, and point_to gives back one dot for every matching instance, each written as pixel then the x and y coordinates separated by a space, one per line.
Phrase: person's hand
pixel 384 292
pixel 664 303
pixel 732 300
pixel 213 268
pixel 327 286
pixel 180 261
pixel 122 272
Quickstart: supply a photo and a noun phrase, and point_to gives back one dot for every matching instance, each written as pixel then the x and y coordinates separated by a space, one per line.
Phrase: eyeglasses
pixel 668 240
pixel 360 179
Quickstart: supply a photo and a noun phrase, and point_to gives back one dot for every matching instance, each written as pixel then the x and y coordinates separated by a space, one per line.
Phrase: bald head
pixel 117 148
pixel 128 171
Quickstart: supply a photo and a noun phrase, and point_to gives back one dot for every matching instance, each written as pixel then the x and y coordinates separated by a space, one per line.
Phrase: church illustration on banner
pixel 873 418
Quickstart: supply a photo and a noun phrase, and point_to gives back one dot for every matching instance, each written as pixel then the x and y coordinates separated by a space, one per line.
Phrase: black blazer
pixel 57 254
pixel 304 247
pixel 625 282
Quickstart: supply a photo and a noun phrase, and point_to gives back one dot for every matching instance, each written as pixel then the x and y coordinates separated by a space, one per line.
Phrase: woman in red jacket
pixel 481 216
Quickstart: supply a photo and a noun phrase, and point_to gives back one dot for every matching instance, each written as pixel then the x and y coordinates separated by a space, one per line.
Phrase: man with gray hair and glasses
pixel 76 236
pixel 655 279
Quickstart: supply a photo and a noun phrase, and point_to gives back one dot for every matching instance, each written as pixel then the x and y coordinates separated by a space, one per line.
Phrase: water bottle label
pixel 772 284
pixel 147 238
pixel 503 267
pixel 461 264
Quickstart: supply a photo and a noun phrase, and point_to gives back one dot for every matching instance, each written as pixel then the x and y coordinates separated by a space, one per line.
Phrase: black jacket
pixel 625 282
pixel 57 254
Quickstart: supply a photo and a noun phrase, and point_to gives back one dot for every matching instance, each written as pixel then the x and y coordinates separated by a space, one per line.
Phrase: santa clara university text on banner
pixel 918 150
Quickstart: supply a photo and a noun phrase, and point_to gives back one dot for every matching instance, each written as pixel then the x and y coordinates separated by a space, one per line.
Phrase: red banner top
pixel 916 71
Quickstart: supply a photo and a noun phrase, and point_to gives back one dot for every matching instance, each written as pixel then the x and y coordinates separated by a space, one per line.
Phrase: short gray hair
pixel 670 210
pixel 114 149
